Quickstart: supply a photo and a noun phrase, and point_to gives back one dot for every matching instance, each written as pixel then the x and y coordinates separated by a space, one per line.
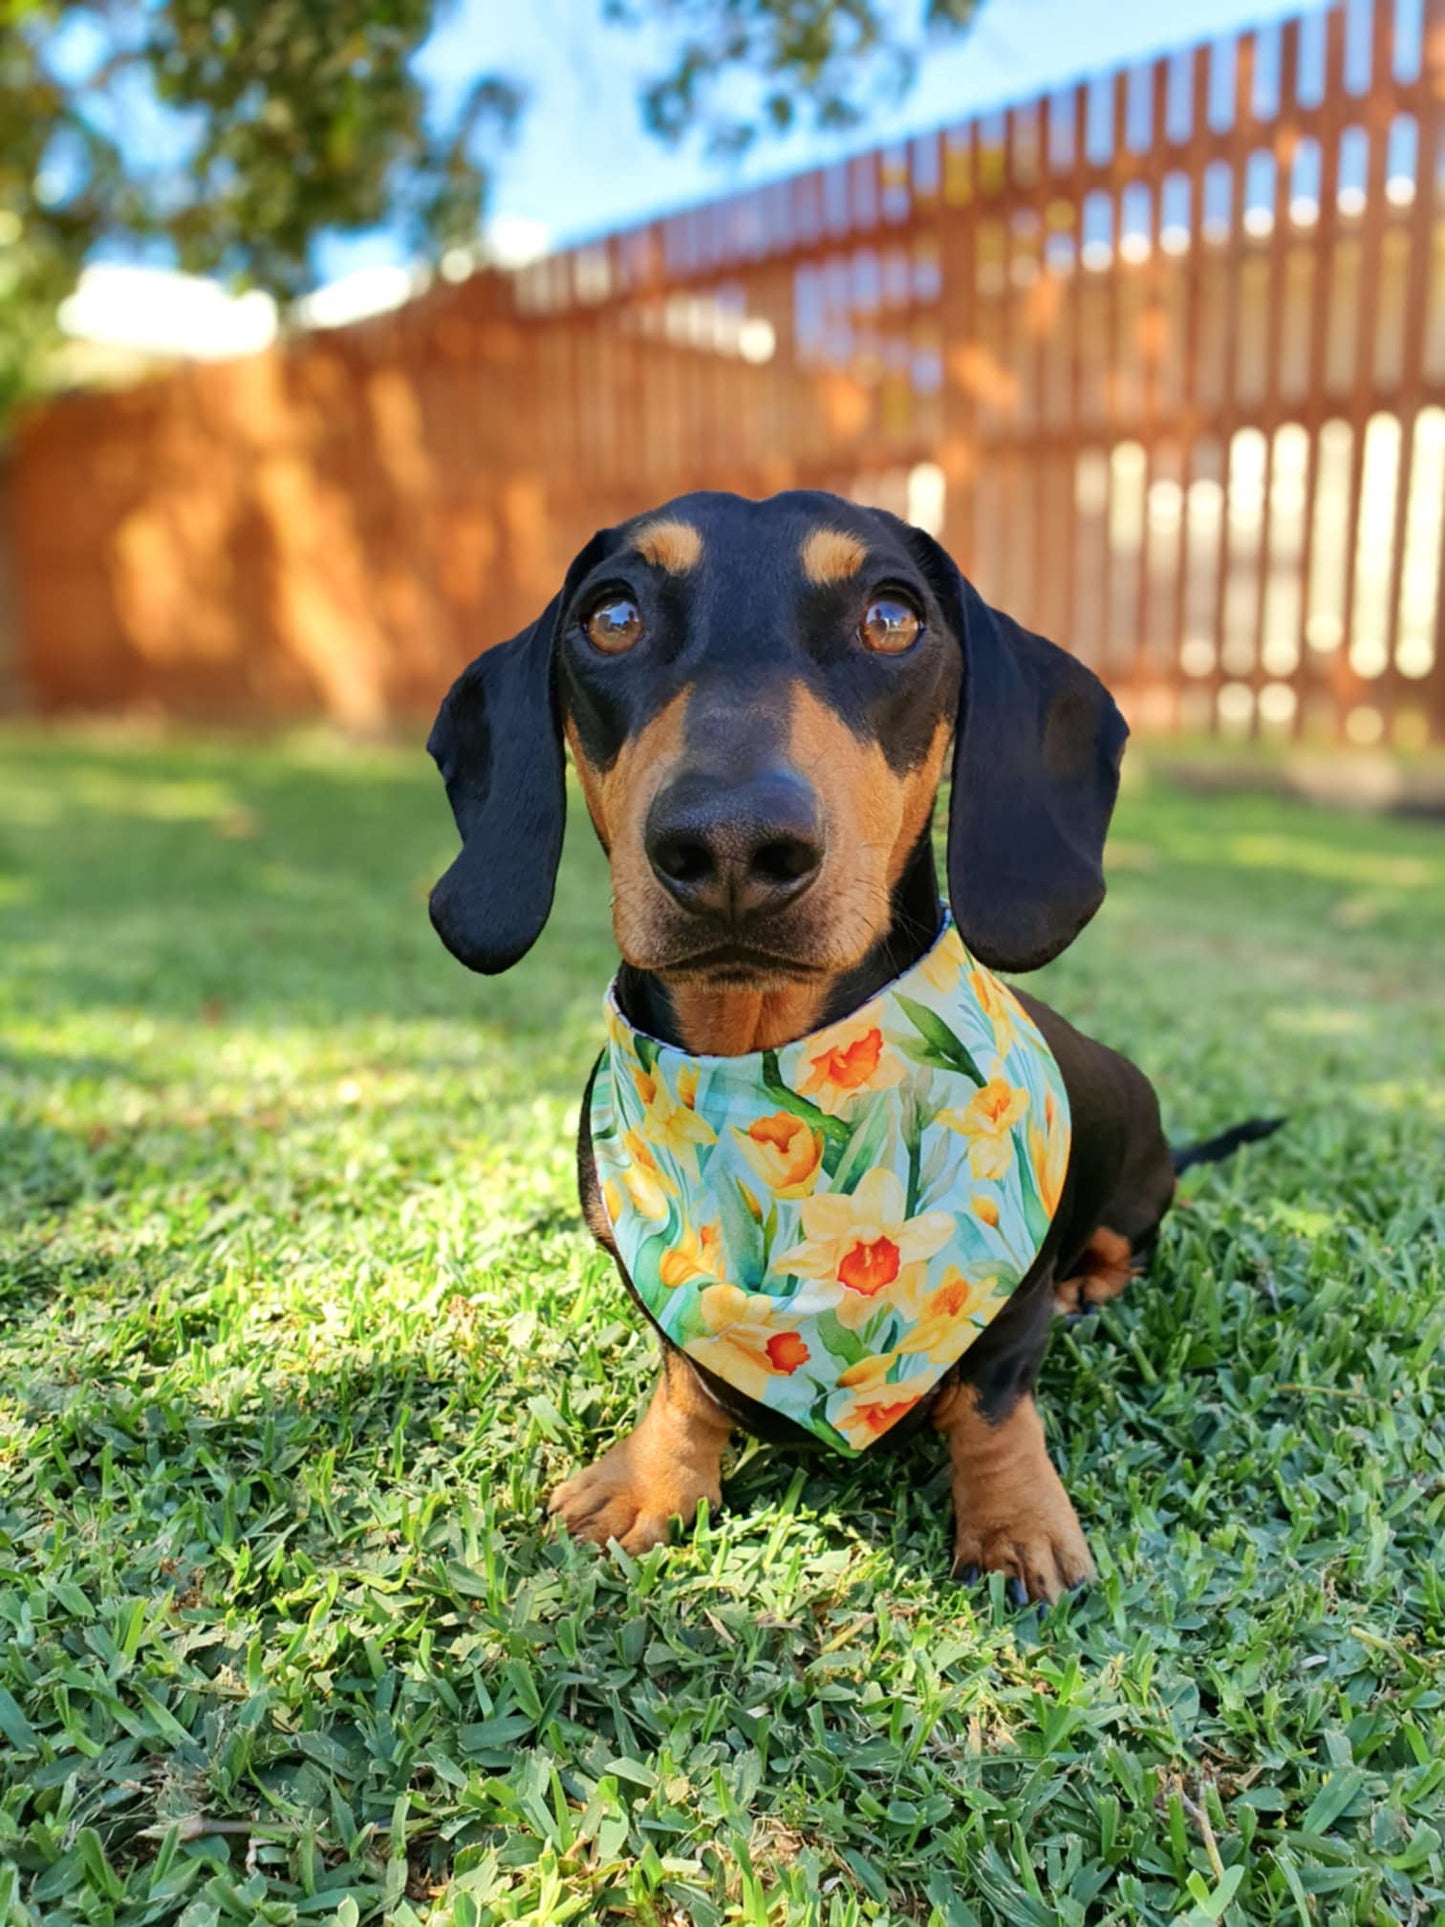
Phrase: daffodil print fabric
pixel 829 1226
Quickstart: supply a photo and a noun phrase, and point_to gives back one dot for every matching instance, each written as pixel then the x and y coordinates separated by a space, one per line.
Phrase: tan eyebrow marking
pixel 674 546
pixel 832 555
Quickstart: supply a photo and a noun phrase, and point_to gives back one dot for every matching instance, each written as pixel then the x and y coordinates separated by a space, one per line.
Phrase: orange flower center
pixel 869 1267
pixel 787 1352
pixel 950 1299
pixel 779 1130
pixel 852 1064
pixel 878 1418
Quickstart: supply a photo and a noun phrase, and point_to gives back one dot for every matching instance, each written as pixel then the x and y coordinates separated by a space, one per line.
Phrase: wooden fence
pixel 1161 357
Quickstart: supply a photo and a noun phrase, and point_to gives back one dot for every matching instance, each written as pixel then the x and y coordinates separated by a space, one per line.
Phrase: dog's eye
pixel 614 625
pixel 889 625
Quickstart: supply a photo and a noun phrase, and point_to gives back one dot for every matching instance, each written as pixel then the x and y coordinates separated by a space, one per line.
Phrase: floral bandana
pixel 829 1226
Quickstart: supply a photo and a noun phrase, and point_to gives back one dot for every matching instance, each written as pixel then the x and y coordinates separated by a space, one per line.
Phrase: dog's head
pixel 759 697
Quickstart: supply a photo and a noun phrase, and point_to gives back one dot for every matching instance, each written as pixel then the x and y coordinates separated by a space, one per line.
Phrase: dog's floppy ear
pixel 497 741
pixel 1035 773
pixel 498 745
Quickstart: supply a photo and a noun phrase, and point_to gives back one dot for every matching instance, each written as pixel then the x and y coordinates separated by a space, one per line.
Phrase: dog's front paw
pixel 1044 1553
pixel 1011 1512
pixel 624 1498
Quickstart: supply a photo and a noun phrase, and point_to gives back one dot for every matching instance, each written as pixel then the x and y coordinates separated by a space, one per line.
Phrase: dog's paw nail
pixel 969 1575
pixel 1018 1593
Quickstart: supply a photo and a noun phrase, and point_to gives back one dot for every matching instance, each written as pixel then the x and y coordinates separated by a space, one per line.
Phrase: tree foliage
pixel 740 69
pixel 232 136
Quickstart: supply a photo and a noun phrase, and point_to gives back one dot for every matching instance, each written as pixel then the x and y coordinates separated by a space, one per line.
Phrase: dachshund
pixel 760 699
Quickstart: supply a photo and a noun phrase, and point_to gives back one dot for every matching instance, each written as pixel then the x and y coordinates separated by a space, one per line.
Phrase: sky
pixel 581 163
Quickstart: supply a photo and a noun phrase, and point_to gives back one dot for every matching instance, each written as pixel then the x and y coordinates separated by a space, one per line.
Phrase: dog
pixel 760 699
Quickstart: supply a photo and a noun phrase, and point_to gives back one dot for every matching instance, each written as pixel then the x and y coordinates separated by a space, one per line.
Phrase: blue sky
pixel 581 163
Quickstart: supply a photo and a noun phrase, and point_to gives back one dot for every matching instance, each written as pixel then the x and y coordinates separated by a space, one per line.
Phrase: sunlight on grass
pixel 192 800
pixel 1323 1021
pixel 1321 860
pixel 298 1325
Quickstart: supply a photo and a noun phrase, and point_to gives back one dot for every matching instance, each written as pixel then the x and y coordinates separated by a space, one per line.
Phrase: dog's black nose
pixel 734 849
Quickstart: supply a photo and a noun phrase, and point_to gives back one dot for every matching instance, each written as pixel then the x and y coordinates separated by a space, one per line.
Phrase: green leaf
pixel 914 1145
pixel 100 1873
pixel 1212 1905
pixel 466 1583
pixel 841 1343
pixel 770 1232
pixel 950 1903
pixel 941 1039
pixel 14 1725
pixel 166 1723
pixel 921 1053
pixel 742 1235
pixel 1338 1791
pixel 327 1751
pixel 833 1128
pixel 869 1877
pixel 478 1735
pixel 863 1150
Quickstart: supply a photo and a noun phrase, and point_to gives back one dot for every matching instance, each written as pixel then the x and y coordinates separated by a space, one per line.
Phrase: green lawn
pixel 298 1325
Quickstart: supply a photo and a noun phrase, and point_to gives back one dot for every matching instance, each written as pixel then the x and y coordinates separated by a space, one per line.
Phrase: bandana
pixel 829 1226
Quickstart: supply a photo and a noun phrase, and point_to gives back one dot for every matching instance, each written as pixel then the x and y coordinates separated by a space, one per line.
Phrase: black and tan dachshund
pixel 760 698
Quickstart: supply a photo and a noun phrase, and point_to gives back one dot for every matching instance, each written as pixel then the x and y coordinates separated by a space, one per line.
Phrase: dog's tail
pixel 1210 1150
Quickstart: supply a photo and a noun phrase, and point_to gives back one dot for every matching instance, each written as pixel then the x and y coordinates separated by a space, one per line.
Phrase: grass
pixel 298 1324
